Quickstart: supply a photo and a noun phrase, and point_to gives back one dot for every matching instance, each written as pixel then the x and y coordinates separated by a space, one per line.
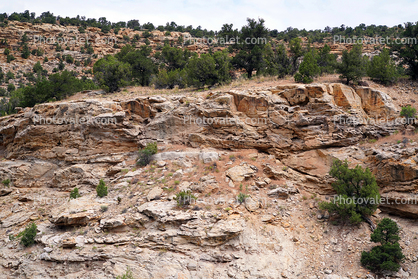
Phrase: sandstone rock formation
pixel 293 133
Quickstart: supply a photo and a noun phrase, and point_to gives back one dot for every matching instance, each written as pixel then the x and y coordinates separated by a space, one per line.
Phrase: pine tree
pixel 357 192
pixel 353 65
pixel 326 60
pixel 250 46
pixel 308 69
pixel 408 51
pixel 296 52
pixel 381 68
pixel 388 254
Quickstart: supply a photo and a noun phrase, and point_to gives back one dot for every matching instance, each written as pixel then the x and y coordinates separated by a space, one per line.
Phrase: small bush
pixel 127 275
pixel 28 235
pixel 185 198
pixel 104 208
pixel 241 197
pixel 101 189
pixel 408 112
pixel 10 58
pixel 6 182
pixel 74 193
pixel 69 59
pixel 11 87
pixel 145 154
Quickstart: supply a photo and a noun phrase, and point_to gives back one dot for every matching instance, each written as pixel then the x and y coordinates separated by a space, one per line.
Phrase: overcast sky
pixel 212 14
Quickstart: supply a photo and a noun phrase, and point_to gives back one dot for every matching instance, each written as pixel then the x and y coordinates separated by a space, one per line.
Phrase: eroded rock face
pixel 376 103
pixel 296 128
pixel 290 118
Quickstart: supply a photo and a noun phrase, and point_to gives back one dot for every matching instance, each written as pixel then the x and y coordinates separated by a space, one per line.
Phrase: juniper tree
pixel 357 192
pixel 388 254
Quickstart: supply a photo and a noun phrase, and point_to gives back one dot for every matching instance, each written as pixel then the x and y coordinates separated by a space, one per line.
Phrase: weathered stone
pixel 154 193
pixel 240 173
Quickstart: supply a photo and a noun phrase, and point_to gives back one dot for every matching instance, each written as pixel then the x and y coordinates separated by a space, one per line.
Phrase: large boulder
pixel 375 103
pixel 241 173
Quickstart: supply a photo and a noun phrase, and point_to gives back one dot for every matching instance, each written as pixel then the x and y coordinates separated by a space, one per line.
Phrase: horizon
pixel 388 14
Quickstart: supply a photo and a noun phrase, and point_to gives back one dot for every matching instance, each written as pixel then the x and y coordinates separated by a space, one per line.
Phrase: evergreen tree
pixel 388 254
pixel 250 46
pixel 381 68
pixel 25 51
pixel 326 61
pixel 111 74
pixel 308 69
pixel 142 66
pixel 408 51
pixel 357 192
pixel 201 71
pixel 353 65
pixel 276 61
pixel 296 52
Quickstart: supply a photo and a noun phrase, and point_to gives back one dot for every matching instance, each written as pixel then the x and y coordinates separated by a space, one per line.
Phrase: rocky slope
pixel 44 37
pixel 274 144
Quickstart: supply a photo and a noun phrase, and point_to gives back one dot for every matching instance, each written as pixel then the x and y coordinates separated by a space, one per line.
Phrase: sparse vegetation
pixel 127 275
pixel 28 235
pixel 101 189
pixel 409 113
pixel 241 198
pixel 145 154
pixel 6 182
pixel 185 198
pixel 74 193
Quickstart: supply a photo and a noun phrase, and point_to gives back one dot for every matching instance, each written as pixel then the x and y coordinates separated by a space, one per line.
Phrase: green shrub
pixel 185 198
pixel 6 182
pixel 101 189
pixel 127 275
pixel 388 254
pixel 10 58
pixel 37 67
pixel 352 185
pixel 74 193
pixel 11 87
pixel 10 75
pixel 170 79
pixel 408 112
pixel 145 154
pixel 103 208
pixel 241 197
pixel 308 69
pixel 6 51
pixel 381 68
pixel 69 59
pixel 28 235
pixel 111 74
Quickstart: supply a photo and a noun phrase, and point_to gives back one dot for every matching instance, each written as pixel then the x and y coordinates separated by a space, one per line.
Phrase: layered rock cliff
pixel 275 144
